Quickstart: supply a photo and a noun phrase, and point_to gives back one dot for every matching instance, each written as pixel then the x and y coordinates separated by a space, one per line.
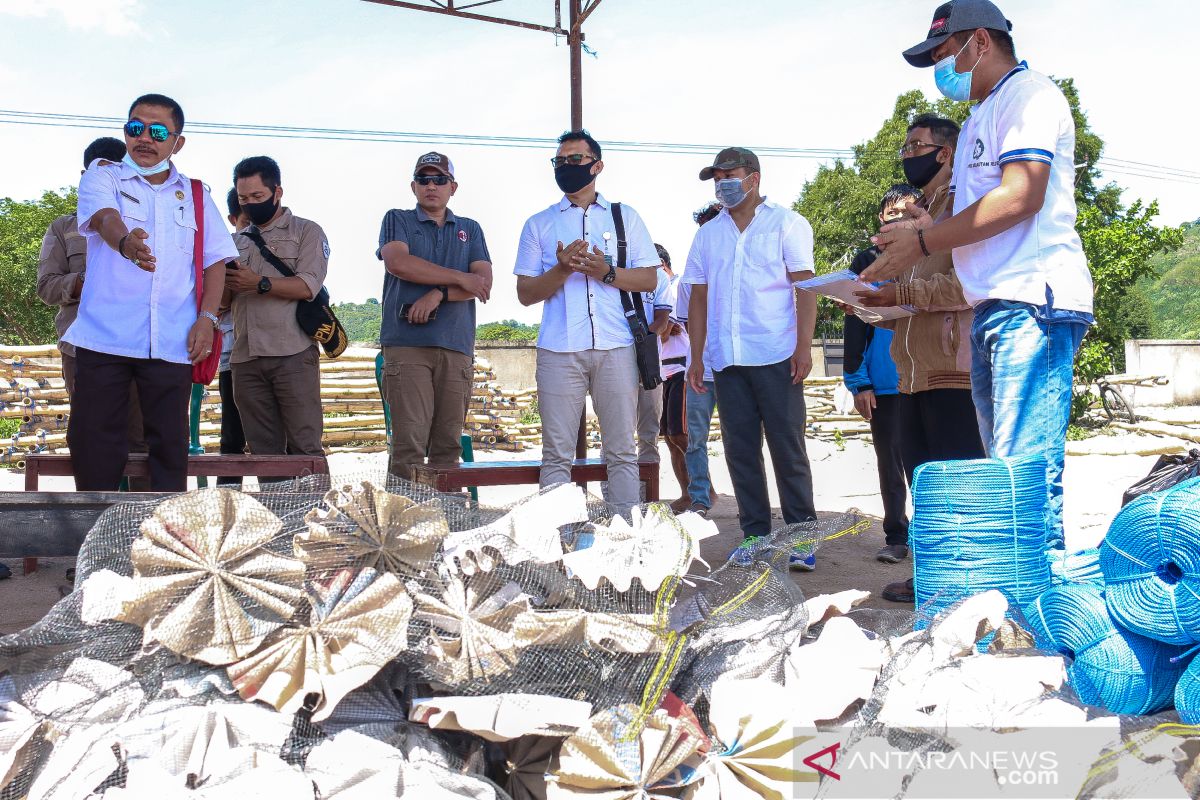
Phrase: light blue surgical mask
pixel 730 192
pixel 950 82
pixel 161 166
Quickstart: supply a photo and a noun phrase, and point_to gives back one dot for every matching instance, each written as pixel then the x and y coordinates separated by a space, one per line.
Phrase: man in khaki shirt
pixel 276 371
pixel 62 264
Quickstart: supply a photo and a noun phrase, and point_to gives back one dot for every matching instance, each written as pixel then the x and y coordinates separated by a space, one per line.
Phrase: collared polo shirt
pixel 124 310
pixel 265 324
pixel 1025 118
pixel 63 256
pixel 751 302
pixel 456 245
pixel 585 314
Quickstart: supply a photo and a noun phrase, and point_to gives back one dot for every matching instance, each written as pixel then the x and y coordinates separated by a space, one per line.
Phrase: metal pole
pixel 575 46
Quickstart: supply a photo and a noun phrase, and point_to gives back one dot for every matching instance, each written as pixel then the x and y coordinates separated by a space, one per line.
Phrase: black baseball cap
pixel 949 19
pixel 732 158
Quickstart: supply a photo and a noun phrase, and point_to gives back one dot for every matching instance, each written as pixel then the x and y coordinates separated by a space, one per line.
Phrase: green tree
pixel 508 330
pixel 841 202
pixel 24 319
pixel 361 320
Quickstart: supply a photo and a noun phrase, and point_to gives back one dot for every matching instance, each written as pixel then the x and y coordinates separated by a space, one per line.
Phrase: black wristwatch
pixel 445 293
pixel 264 286
pixel 611 275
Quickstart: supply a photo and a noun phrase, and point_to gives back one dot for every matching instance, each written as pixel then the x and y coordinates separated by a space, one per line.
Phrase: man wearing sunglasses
pixel 276 365
pixel 137 317
pixel 436 266
pixel 567 260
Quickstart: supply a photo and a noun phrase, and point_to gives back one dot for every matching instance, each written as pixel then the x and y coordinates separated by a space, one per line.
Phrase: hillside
pixel 1175 295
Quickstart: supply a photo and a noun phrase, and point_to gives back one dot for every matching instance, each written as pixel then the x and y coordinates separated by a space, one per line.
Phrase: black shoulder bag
pixel 315 317
pixel 645 343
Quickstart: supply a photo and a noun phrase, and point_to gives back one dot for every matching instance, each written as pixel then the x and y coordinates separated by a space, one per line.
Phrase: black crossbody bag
pixel 315 316
pixel 645 343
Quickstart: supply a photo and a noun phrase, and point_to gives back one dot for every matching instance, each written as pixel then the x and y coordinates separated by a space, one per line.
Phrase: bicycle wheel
pixel 1115 404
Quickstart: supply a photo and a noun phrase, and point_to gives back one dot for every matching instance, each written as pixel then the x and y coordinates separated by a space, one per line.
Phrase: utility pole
pixel 577 12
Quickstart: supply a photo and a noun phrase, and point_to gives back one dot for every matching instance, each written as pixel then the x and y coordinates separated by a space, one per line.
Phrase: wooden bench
pixel 515 473
pixel 209 465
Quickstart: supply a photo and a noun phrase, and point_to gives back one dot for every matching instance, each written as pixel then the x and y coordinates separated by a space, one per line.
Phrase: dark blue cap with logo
pixel 949 19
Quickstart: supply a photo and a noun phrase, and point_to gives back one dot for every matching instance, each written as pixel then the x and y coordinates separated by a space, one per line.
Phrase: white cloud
pixel 115 17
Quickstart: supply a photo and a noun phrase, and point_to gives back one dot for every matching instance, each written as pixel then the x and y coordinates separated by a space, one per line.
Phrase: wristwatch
pixel 211 318
pixel 611 275
pixel 264 286
pixel 445 293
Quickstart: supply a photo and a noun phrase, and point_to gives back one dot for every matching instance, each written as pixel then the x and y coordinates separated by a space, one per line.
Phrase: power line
pixel 12 117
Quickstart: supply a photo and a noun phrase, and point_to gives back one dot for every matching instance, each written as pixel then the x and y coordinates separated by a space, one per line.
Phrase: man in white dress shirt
pixel 137 315
pixel 756 329
pixel 567 260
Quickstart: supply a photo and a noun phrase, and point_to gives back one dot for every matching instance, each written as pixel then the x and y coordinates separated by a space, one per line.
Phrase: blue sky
pixel 786 73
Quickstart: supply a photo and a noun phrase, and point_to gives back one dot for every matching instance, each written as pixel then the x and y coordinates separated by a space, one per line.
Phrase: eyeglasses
pixel 158 132
pixel 575 159
pixel 911 148
pixel 436 180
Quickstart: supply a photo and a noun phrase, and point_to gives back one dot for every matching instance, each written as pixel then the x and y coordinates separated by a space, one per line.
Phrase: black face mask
pixel 920 170
pixel 573 177
pixel 261 213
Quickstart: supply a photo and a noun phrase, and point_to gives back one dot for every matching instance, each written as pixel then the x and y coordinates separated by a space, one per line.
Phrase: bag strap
pixel 198 242
pixel 252 233
pixel 622 256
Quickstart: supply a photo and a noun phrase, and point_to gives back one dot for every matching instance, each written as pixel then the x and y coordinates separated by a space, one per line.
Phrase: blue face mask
pixel 950 82
pixel 161 166
pixel 730 192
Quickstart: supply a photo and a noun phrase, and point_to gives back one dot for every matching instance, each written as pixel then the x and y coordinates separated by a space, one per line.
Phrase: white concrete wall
pixel 1178 360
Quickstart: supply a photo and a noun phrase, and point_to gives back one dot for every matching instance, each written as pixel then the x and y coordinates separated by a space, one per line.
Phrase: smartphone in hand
pixel 404 308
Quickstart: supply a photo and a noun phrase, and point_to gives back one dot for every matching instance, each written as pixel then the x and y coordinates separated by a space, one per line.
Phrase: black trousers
pixel 233 439
pixel 754 400
pixel 885 431
pixel 97 431
pixel 938 425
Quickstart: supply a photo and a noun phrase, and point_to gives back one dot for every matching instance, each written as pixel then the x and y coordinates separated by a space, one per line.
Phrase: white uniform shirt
pixel 751 302
pixel 679 345
pixel 683 296
pixel 124 310
pixel 1025 118
pixel 585 314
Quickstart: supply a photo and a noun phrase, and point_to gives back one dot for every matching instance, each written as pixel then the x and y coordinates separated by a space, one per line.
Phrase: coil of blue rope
pixel 1151 564
pixel 1079 567
pixel 1107 665
pixel 979 525
pixel 1187 694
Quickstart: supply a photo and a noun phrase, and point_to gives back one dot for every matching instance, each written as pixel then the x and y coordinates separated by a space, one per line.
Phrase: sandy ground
pixel 843 479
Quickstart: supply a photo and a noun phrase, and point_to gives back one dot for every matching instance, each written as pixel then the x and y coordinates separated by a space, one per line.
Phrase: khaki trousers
pixel 279 400
pixel 428 390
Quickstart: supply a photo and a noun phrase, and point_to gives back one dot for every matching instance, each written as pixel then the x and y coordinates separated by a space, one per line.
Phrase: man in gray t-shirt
pixel 437 266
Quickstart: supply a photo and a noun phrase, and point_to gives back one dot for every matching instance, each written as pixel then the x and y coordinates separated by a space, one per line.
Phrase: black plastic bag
pixel 1167 472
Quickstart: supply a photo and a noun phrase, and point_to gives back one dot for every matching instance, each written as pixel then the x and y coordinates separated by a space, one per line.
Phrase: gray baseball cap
pixel 949 19
pixel 731 158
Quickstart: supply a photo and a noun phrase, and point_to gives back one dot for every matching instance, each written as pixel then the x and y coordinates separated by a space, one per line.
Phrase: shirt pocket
pixel 76 253
pixel 287 251
pixel 133 212
pixel 762 250
pixel 185 228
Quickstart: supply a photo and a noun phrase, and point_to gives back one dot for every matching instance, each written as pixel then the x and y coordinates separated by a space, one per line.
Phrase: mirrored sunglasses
pixel 158 132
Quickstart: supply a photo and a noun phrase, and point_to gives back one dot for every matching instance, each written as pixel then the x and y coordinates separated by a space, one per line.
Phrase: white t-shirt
pixel 679 345
pixel 1025 118
pixel 751 302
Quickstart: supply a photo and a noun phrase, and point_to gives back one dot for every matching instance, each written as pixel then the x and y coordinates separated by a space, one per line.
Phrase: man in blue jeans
pixel 1012 232
pixel 698 408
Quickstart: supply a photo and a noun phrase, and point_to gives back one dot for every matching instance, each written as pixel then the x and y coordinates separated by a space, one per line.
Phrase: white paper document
pixel 843 284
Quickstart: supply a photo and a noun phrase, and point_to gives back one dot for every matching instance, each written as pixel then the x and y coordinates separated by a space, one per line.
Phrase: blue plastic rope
pixel 1151 564
pixel 1080 567
pixel 1107 666
pixel 1187 694
pixel 979 525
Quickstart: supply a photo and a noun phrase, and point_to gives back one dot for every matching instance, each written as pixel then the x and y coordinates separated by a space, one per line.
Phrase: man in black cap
pixel 755 330
pixel 1012 234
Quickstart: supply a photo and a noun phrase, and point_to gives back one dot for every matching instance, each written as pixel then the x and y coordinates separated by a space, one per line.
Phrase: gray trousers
pixel 754 400
pixel 649 417
pixel 563 381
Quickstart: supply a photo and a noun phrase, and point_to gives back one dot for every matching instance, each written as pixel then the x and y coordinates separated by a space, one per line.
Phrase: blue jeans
pixel 1022 366
pixel 699 418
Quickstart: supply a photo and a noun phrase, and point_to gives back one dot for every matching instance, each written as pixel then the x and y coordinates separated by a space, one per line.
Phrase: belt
pixel 681 360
